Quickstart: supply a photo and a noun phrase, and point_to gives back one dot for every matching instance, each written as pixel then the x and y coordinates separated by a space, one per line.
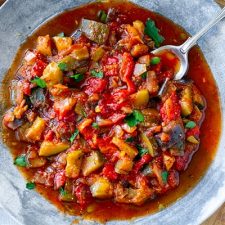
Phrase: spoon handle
pixel 193 40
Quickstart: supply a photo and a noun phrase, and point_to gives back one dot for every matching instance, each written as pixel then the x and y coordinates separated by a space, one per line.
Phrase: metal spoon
pixel 182 51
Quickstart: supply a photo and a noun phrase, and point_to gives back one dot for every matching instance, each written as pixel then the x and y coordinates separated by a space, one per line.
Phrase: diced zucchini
pixel 139 26
pixel 101 188
pixel 52 74
pixel 67 197
pixel 168 161
pixel 92 163
pixel 140 98
pixel 123 146
pixel 80 53
pixel 50 148
pixel 124 165
pixel 197 98
pixel 62 43
pixel 70 62
pixel 37 162
pixel 97 54
pixel 192 140
pixel 95 31
pixel 186 101
pixel 73 166
pixel 35 131
pixel 147 143
pixel 44 45
pixel 139 69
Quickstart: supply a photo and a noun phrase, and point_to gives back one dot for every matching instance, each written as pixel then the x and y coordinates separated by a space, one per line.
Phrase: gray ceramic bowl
pixel 21 17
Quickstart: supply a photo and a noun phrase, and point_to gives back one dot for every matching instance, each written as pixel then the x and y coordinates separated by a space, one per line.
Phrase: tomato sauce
pixel 199 72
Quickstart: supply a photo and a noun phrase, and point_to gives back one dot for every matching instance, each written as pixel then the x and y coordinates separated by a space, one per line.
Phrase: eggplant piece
pixel 38 97
pixel 176 132
pixel 95 31
pixel 15 124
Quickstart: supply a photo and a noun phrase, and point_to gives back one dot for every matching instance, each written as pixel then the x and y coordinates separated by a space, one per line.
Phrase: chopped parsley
pixel 99 74
pixel 62 66
pixel 39 82
pixel 153 32
pixel 62 191
pixel 102 16
pixel 190 124
pixel 164 176
pixel 77 77
pixel 95 125
pixel 144 75
pixel 21 161
pixel 142 151
pixel 130 139
pixel 30 185
pixel 74 135
pixel 134 118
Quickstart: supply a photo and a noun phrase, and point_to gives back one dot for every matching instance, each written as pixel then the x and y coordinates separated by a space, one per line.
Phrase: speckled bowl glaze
pixel 23 16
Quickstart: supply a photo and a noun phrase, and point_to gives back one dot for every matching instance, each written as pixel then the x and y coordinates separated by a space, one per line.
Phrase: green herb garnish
pixel 39 82
pixel 74 135
pixel 130 139
pixel 153 32
pixel 61 34
pixel 164 176
pixel 62 191
pixel 62 66
pixel 134 118
pixel 77 77
pixel 142 151
pixel 21 161
pixel 190 124
pixel 30 185
pixel 95 125
pixel 99 74
pixel 144 75
pixel 155 60
pixel 102 16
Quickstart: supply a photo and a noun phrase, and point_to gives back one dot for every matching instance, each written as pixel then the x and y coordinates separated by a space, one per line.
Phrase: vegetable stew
pixel 90 132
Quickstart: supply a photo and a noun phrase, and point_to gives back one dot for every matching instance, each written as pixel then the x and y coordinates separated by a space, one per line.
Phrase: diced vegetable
pixel 62 43
pixel 68 63
pixel 37 162
pixel 49 148
pixel 147 171
pixel 80 53
pixel 155 60
pixel 123 146
pixel 73 166
pixel 52 74
pixel 97 54
pixel 145 59
pixel 139 69
pixel 168 161
pixel 124 165
pixel 37 97
pixel 35 131
pixel 152 83
pixel 95 31
pixel 139 26
pixel 190 124
pixel 139 50
pixel 66 196
pixel 192 140
pixel 140 99
pixel 186 101
pixel 44 45
pixel 147 143
pixel 84 123
pixel 197 97
pixel 92 163
pixel 98 74
pixel 101 188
